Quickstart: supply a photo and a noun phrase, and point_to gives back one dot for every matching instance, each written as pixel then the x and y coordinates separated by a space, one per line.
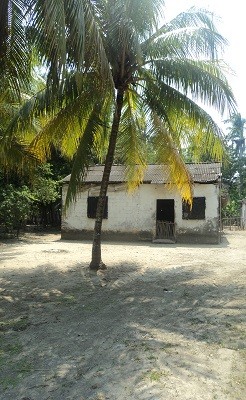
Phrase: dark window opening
pixel 197 211
pixel 92 207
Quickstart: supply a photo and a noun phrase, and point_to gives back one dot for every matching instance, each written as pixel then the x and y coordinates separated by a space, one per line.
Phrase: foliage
pixel 21 202
pixel 47 204
pixel 18 84
pixel 45 188
pixel 235 134
pixel 15 207
pixel 234 172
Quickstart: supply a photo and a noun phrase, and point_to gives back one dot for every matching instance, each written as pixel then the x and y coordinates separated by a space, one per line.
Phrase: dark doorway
pixel 165 210
pixel 165 226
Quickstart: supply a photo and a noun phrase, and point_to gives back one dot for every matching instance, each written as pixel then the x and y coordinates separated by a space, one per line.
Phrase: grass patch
pixel 155 375
pixel 13 367
pixel 14 348
pixel 168 346
pixel 8 382
pixel 16 324
pixel 14 371
pixel 146 347
pixel 151 357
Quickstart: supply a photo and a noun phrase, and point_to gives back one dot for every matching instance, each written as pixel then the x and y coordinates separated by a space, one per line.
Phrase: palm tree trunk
pixel 96 262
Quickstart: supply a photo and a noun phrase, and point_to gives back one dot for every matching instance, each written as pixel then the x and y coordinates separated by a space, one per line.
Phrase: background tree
pixel 19 82
pixel 15 207
pixel 47 197
pixel 234 171
pixel 36 201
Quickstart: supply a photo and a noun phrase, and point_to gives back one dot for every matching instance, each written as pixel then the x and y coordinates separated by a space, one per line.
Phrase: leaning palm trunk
pixel 96 262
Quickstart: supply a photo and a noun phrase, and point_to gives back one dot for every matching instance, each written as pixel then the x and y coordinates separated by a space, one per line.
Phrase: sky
pixel 232 25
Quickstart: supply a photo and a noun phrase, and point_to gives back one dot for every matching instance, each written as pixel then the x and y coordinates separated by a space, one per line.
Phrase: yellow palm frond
pixel 167 154
pixel 132 139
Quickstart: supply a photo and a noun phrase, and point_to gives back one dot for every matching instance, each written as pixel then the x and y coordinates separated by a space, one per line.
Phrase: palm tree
pixel 15 60
pixel 237 140
pixel 50 35
pixel 16 83
pixel 115 76
pixel 236 133
pixel 159 74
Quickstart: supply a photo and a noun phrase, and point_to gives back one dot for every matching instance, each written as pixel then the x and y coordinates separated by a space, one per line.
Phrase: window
pixel 92 207
pixel 197 211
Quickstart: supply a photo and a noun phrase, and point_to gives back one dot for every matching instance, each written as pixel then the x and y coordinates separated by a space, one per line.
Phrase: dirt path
pixel 164 322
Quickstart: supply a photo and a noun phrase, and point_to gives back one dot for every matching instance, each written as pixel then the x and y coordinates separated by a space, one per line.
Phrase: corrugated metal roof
pixel 201 172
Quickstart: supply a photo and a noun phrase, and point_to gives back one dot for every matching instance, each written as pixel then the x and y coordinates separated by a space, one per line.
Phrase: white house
pixel 153 212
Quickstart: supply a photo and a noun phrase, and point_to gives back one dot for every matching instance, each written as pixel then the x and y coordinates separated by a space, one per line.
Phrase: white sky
pixel 232 25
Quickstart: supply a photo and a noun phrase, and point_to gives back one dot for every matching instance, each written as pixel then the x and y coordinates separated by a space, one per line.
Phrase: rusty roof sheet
pixel 200 172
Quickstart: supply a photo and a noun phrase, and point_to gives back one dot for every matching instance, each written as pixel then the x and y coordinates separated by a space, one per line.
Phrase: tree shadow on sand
pixel 79 335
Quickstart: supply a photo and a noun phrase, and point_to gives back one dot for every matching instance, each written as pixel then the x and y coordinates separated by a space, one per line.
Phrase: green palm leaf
pixel 15 58
pixel 93 129
pixel 166 153
pixel 132 139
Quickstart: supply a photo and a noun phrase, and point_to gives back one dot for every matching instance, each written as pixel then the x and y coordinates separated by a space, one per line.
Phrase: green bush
pixel 15 207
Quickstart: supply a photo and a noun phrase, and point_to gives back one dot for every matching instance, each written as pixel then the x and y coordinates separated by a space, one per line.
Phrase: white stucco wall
pixel 137 212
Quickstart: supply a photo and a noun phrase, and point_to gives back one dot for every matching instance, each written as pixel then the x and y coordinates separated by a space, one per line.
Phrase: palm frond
pixel 16 155
pixel 64 129
pixel 201 80
pixel 67 37
pixel 186 119
pixel 84 152
pixel 197 23
pixel 172 105
pixel 188 42
pixel 56 117
pixel 145 15
pixel 167 154
pixel 193 17
pixel 15 59
pixel 132 142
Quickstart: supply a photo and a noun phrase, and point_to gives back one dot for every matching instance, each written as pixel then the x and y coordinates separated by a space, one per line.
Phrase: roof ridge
pixel 154 173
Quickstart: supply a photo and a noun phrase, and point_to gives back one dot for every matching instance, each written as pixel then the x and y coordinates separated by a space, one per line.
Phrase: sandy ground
pixel 163 322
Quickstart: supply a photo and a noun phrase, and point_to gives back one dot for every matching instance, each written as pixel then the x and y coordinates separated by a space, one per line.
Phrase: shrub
pixel 15 207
